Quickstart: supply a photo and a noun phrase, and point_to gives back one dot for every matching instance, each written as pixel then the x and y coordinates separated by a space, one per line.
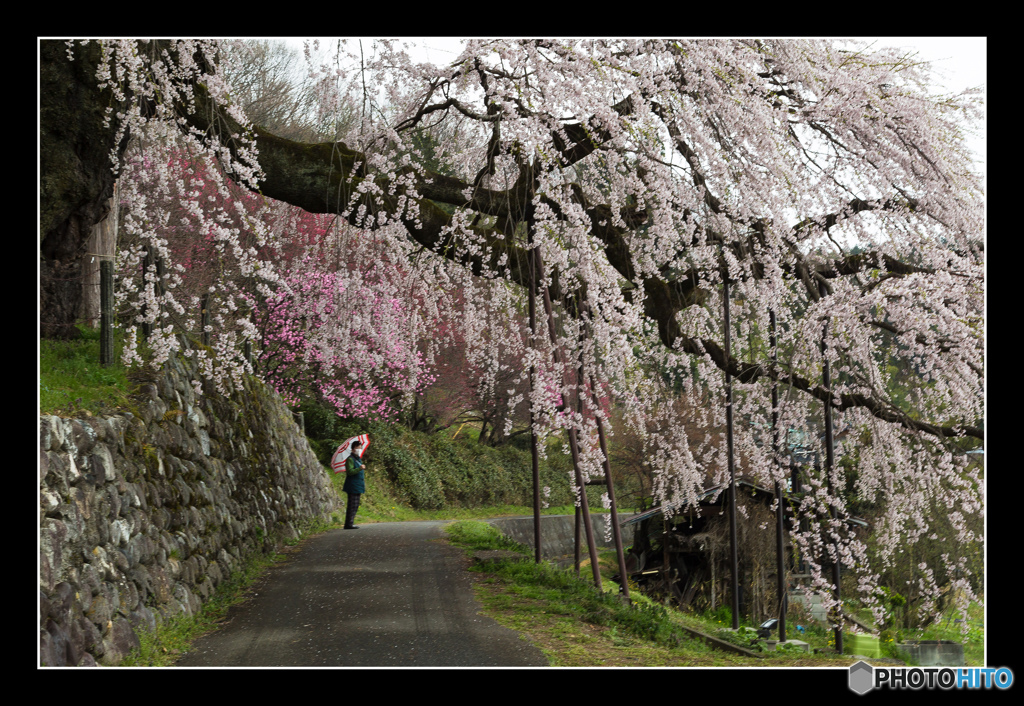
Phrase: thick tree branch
pixel 297 172
pixel 750 372
pixel 324 178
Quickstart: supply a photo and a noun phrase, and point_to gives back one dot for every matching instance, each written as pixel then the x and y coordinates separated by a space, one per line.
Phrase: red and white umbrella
pixel 345 450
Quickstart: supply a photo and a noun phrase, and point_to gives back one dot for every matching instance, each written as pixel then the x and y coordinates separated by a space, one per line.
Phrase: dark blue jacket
pixel 354 482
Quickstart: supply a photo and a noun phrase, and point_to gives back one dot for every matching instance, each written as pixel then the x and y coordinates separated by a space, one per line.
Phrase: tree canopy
pixel 823 181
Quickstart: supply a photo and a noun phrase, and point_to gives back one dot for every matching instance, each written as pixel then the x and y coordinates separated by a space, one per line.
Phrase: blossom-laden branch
pixel 828 186
pixel 331 177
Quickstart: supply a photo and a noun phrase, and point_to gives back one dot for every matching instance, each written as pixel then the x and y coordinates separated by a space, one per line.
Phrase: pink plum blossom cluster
pixel 350 333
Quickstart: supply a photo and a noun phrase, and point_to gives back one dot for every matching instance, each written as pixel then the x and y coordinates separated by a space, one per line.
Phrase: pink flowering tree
pixel 826 182
pixel 348 336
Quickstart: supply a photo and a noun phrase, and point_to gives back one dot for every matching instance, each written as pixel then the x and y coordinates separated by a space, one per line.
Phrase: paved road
pixel 385 595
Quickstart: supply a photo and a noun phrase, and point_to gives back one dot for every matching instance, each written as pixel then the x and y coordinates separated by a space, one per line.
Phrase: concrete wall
pixel 934 653
pixel 557 533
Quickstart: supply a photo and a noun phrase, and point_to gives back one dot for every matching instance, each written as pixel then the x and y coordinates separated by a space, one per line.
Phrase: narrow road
pixel 386 595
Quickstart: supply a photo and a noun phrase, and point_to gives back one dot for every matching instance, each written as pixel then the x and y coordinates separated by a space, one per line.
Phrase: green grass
pixel 575 625
pixel 568 619
pixel 947 629
pixel 381 503
pixel 481 536
pixel 71 378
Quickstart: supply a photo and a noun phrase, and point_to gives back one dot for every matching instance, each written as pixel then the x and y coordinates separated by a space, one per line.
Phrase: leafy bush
pixel 435 472
pixel 789 648
pixel 722 614
pixel 742 637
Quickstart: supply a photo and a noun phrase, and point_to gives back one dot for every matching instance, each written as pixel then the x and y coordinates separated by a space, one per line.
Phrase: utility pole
pixel 830 465
pixel 780 508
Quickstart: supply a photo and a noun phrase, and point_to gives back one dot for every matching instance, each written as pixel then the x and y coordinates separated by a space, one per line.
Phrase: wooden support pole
pixel 616 530
pixel 573 443
pixel 780 508
pixel 830 466
pixel 106 313
pixel 149 261
pixel 534 452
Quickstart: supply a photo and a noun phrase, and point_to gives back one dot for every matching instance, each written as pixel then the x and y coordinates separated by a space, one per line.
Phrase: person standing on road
pixel 355 484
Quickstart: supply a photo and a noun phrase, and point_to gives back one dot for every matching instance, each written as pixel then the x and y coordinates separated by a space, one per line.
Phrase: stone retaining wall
pixel 143 514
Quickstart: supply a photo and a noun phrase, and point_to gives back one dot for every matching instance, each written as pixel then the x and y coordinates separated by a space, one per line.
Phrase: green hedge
pixel 433 472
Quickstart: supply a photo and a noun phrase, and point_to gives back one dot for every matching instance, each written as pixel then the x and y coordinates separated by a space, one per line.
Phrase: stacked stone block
pixel 143 514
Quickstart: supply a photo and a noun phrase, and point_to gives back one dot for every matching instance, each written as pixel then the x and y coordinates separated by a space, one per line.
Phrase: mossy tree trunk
pixel 76 181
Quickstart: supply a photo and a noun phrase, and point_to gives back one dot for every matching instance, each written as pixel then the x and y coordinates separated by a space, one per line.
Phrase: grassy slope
pixel 71 378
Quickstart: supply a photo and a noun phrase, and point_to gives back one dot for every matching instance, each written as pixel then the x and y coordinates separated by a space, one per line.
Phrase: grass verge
pixel 576 626
pixel 566 617
pixel 71 377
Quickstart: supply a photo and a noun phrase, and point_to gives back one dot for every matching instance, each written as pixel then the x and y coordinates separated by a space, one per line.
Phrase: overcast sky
pixel 963 58
pixel 961 61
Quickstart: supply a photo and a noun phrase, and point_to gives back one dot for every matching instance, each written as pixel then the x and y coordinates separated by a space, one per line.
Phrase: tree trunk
pixel 76 181
pixel 102 246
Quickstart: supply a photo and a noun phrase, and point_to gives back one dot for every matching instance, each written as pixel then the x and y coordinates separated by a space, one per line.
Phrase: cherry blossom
pixel 826 183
